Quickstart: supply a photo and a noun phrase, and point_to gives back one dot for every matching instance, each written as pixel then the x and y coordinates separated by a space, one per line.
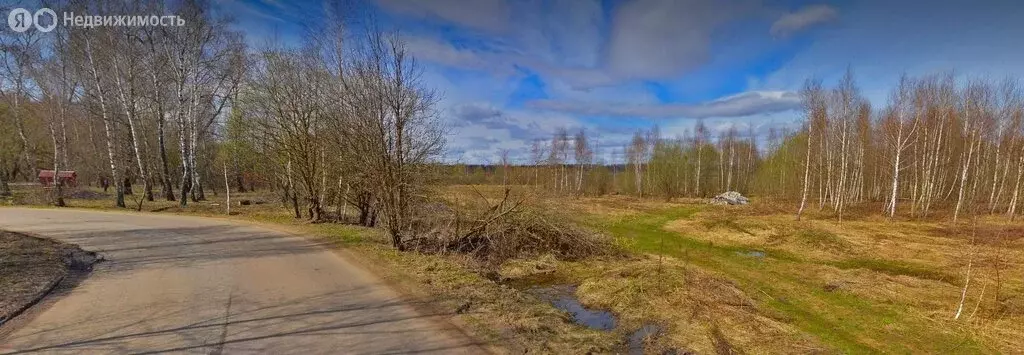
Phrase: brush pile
pixel 502 231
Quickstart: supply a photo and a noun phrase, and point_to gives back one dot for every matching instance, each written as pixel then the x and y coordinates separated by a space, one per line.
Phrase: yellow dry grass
pixel 865 285
pixel 698 311
pixel 905 276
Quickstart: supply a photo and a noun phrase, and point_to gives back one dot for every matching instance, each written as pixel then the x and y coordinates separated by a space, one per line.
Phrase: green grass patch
pixel 895 268
pixel 844 322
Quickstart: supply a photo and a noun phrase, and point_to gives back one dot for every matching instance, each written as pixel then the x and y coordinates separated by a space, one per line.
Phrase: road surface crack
pixel 219 347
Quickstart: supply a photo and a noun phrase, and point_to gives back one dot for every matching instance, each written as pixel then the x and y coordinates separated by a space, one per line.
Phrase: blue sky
pixel 511 72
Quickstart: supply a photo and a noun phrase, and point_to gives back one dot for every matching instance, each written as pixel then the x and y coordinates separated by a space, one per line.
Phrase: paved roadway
pixel 210 286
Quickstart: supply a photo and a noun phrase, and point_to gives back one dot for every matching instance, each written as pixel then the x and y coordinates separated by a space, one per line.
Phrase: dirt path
pixel 188 284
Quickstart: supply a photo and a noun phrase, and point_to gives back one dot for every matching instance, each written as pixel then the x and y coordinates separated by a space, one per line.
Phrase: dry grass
pixel 865 285
pixel 495 231
pixel 699 311
pixel 28 267
pixel 495 313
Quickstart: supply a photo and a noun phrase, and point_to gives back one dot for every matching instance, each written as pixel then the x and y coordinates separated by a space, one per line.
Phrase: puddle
pixel 563 297
pixel 636 340
pixel 752 253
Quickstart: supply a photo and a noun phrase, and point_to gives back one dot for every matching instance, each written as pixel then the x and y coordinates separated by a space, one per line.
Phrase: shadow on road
pixel 132 248
pixel 374 328
pixel 217 287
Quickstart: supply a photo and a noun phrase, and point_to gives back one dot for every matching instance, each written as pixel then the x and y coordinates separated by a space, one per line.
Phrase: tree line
pixel 340 119
pixel 938 143
pixel 343 120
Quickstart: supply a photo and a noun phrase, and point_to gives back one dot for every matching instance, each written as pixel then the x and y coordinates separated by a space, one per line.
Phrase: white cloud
pixel 744 104
pixel 801 19
pixel 655 39
pixel 569 34
pixel 575 42
pixel 487 15
pixel 433 50
pixel 882 42
pixel 481 131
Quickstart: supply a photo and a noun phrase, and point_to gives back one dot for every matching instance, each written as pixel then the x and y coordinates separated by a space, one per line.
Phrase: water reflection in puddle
pixel 752 253
pixel 636 340
pixel 563 297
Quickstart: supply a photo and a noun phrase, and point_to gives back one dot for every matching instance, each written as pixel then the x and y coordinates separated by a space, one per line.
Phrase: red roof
pixel 63 174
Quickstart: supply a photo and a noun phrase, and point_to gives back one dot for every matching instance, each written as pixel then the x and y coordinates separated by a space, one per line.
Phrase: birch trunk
pixel 963 292
pixel 1012 209
pixel 807 171
pixel 58 198
pixel 227 188
pixel 700 154
pixel 26 147
pixel 115 172
pixel 963 180
pixel 168 186
pixel 129 111
pixel 895 178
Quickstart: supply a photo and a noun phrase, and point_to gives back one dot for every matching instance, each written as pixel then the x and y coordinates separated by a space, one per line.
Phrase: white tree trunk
pixel 1012 209
pixel 898 150
pixel 963 180
pixel 129 113
pixel 115 172
pixel 963 292
pixel 227 188
pixel 807 172
pixel 895 179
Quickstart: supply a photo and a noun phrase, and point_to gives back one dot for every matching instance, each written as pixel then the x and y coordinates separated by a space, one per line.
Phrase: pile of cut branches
pixel 505 230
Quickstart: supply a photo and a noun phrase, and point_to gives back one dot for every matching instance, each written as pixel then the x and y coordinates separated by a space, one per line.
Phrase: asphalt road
pixel 199 285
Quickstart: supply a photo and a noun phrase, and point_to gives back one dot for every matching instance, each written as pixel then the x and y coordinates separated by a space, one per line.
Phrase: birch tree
pixel 901 124
pixel 812 100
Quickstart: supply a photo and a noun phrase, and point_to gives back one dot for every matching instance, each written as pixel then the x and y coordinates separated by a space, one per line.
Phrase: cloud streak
pixel 802 19
pixel 745 104
pixel 486 15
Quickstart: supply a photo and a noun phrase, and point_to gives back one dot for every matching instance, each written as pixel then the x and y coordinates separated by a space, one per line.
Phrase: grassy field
pixel 720 279
pixel 861 286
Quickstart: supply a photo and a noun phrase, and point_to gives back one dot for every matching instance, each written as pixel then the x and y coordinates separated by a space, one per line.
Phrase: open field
pixel 550 172
pixel 716 279
pixel 756 279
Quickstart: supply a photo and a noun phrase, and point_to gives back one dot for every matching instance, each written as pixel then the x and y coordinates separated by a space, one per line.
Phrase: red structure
pixel 67 177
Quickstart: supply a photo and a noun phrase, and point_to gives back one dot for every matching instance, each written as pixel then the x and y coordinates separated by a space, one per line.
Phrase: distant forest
pixel 173 112
pixel 938 143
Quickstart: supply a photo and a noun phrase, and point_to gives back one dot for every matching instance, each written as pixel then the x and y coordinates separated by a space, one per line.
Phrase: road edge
pixel 10 322
pixel 445 318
